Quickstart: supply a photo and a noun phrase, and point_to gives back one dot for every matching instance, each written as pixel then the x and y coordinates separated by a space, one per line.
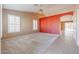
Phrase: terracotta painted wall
pixel 51 24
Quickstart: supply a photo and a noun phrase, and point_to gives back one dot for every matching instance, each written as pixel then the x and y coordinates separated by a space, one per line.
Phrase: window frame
pixel 35 24
pixel 14 24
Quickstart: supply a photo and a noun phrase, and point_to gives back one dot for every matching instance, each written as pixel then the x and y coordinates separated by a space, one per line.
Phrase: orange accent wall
pixel 51 24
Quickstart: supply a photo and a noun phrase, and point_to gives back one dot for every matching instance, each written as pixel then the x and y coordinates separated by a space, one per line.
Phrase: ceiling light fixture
pixel 40 11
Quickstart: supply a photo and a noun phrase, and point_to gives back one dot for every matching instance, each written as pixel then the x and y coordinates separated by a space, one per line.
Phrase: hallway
pixel 65 44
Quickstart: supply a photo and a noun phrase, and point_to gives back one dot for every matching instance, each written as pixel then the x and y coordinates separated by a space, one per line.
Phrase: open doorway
pixel 68 29
pixel 67 26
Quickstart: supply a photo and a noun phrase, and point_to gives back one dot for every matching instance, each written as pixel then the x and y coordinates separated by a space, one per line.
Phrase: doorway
pixel 67 29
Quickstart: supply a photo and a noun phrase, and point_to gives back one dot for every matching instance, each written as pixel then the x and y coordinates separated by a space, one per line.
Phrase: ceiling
pixel 22 7
pixel 48 9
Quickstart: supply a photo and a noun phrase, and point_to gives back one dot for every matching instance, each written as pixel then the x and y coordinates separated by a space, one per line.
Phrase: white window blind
pixel 13 23
pixel 35 24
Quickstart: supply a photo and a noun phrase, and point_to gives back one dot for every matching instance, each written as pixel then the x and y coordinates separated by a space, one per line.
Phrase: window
pixel 35 25
pixel 13 23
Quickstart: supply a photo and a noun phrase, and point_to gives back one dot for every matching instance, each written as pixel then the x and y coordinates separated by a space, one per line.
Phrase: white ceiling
pixel 22 7
pixel 48 9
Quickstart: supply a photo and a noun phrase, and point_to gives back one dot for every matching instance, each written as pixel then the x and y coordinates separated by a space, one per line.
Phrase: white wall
pixel 0 23
pixel 26 23
pixel 76 25
pixel 0 34
pixel 66 18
